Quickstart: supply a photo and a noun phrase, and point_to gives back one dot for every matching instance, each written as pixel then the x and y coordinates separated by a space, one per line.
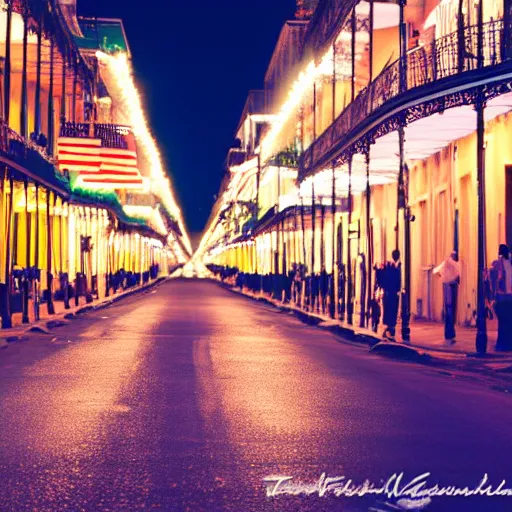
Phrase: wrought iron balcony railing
pixel 111 135
pixel 443 58
pixel 11 142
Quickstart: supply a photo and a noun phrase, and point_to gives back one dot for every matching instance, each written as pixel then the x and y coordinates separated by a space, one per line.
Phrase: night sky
pixel 195 62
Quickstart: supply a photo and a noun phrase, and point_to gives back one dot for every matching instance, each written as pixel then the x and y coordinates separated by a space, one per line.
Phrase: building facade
pixel 398 117
pixel 85 206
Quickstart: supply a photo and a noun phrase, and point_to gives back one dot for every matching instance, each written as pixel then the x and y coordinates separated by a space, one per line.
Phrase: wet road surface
pixel 187 397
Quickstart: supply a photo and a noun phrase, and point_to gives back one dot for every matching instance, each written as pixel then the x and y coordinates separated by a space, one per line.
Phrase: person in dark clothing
pixel 324 288
pixel 501 289
pixel 391 284
pixel 376 309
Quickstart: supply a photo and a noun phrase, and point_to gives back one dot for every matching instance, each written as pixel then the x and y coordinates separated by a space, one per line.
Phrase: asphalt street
pixel 188 397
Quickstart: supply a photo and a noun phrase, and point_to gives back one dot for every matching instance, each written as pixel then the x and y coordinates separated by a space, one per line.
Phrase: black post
pixel 49 278
pixel 481 320
pixel 350 303
pixel 37 95
pixel 24 98
pixel 258 179
pixel 26 282
pixel 333 116
pixel 50 137
pixel 369 241
pixel 7 64
pixel 322 230
pixel 6 309
pixel 313 234
pixel 36 263
pixel 304 255
pixel 406 295
pixel 332 305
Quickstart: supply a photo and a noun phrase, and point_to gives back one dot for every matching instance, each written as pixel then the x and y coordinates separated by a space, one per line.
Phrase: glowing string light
pixel 119 78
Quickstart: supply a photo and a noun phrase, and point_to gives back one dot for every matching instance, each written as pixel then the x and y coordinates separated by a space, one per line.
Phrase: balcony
pixel 30 159
pixel 111 135
pixel 435 70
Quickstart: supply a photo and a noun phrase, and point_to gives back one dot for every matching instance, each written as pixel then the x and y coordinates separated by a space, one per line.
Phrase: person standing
pixel 449 271
pixel 391 284
pixel 501 289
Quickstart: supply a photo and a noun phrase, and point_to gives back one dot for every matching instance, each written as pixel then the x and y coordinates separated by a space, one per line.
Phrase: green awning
pixel 102 34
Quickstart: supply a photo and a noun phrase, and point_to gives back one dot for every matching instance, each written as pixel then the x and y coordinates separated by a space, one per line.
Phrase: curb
pixel 397 350
pixel 61 319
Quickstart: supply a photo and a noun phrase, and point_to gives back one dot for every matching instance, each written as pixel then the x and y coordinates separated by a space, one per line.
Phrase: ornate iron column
pixel 26 282
pixel 369 248
pixel 404 199
pixel 313 234
pixel 332 305
pixel 481 319
pixel 36 262
pixel 49 275
pixel 350 301
pixel 6 309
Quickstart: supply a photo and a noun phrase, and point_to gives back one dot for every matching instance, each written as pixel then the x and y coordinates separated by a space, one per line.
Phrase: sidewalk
pixel 425 335
pixel 46 321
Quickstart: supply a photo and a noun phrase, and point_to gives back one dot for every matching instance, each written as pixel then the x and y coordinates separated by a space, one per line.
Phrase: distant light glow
pixel 120 79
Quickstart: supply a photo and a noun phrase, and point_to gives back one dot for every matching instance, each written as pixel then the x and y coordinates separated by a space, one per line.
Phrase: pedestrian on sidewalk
pixel 449 272
pixel 501 289
pixel 391 284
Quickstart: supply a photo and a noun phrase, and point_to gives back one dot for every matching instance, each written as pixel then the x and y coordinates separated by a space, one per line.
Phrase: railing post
pixel 24 87
pixel 505 40
pixel 461 45
pixel 402 70
pixel 37 95
pixel 7 64
pixel 50 135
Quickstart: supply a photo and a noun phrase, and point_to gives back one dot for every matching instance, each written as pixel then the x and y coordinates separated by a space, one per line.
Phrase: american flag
pixel 99 166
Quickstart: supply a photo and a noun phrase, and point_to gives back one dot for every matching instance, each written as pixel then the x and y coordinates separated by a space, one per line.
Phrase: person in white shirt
pixel 449 271
pixel 501 290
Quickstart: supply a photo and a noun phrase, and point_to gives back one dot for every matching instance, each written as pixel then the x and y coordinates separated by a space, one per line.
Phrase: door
pixel 508 205
pixel 468 251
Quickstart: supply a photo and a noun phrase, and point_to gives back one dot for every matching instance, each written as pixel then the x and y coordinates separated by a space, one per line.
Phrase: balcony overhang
pixel 435 117
pixel 434 86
